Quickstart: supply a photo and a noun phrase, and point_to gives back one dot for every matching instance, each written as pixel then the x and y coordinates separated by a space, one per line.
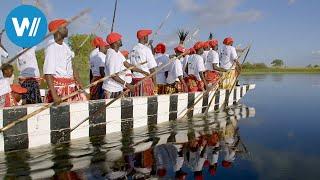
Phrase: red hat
pixel 160 48
pixel 198 45
pixel 103 44
pixel 192 51
pixel 125 53
pixel 161 172
pixel 55 24
pixel 113 37
pixel 226 164
pixel 143 32
pixel 206 44
pixel 206 163
pixel 180 49
pixel 228 41
pixel 213 43
pixel 18 89
pixel 213 169
pixel 96 41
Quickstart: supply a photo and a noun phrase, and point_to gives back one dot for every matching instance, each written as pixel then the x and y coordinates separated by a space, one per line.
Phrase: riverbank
pixel 288 70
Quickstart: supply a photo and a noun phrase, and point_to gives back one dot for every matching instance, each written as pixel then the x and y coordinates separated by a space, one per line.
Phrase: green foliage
pixel 248 65
pixel 277 63
pixel 309 66
pixel 316 66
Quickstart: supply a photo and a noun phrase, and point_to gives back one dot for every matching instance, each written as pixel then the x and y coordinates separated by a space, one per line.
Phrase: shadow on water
pixel 174 150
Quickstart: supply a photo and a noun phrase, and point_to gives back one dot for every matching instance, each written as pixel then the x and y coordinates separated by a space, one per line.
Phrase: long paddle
pixel 207 109
pixel 199 99
pixel 237 76
pixel 28 116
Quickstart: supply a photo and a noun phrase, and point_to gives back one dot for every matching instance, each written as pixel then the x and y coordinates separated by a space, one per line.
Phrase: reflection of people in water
pixel 212 152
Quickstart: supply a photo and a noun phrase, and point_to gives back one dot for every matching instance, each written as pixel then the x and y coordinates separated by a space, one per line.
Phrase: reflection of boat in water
pixel 172 149
pixel 53 125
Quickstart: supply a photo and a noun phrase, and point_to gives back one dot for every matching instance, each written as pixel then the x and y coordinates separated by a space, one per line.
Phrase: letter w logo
pixel 25 24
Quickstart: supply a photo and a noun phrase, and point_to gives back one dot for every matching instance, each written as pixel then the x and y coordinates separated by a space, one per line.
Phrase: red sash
pixel 144 89
pixel 193 84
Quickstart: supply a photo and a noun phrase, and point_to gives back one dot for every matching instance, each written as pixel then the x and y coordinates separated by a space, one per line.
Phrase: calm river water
pixel 273 133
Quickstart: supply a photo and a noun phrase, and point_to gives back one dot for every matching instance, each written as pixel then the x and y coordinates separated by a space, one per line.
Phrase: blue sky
pixel 285 29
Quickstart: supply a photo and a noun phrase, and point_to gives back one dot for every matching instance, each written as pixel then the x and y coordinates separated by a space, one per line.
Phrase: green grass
pixel 287 70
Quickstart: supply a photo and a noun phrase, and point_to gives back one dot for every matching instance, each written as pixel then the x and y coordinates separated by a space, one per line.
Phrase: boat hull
pixel 53 125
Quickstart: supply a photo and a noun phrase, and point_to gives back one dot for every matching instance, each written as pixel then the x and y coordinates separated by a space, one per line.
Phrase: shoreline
pixel 281 71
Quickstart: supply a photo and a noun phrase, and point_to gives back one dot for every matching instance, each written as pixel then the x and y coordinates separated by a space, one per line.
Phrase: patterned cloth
pixel 161 88
pixel 177 87
pixel 212 77
pixel 64 87
pixel 228 79
pixel 193 84
pixel 111 95
pixel 144 89
pixel 7 100
pixel 96 91
pixel 33 95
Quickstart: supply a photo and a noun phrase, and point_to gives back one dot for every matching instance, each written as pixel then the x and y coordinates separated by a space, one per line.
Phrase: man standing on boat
pixel 175 79
pixel 196 80
pixel 161 59
pixel 212 63
pixel 141 53
pixel 114 63
pixel 229 62
pixel 97 63
pixel 60 74
pixel 95 43
pixel 29 76
pixel 206 49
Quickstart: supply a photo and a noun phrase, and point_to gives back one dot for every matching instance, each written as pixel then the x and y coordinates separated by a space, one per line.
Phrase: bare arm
pixel 216 67
pixel 184 83
pixel 49 79
pixel 135 69
pixel 154 77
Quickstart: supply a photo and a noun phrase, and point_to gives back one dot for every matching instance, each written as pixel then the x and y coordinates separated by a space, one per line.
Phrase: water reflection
pixel 192 148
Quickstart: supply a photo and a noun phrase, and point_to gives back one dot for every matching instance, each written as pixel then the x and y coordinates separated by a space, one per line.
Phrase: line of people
pixel 195 69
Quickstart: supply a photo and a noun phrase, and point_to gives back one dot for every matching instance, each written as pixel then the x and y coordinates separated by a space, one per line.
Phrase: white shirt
pixel 113 64
pixel 140 54
pixel 205 56
pixel 184 62
pixel 3 54
pixel 212 58
pixel 58 60
pixel 93 53
pixel 96 62
pixel 27 64
pixel 175 70
pixel 128 74
pixel 227 56
pixel 162 59
pixel 195 66
pixel 4 86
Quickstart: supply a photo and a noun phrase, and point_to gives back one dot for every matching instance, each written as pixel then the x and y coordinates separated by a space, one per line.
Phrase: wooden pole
pixel 28 116
pixel 114 15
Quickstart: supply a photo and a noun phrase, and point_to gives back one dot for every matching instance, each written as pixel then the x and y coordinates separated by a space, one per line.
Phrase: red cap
pixel 198 45
pixel 125 53
pixel 206 44
pixel 206 163
pixel 226 164
pixel 55 24
pixel 192 51
pixel 180 49
pixel 213 43
pixel 18 89
pixel 160 48
pixel 113 37
pixel 161 172
pixel 228 41
pixel 143 32
pixel 96 41
pixel 103 44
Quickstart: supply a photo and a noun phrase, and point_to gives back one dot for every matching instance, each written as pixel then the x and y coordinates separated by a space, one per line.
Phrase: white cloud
pixel 290 2
pixel 316 53
pixel 213 13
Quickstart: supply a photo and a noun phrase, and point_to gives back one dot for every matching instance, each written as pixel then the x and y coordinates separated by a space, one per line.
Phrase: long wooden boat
pixel 54 124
